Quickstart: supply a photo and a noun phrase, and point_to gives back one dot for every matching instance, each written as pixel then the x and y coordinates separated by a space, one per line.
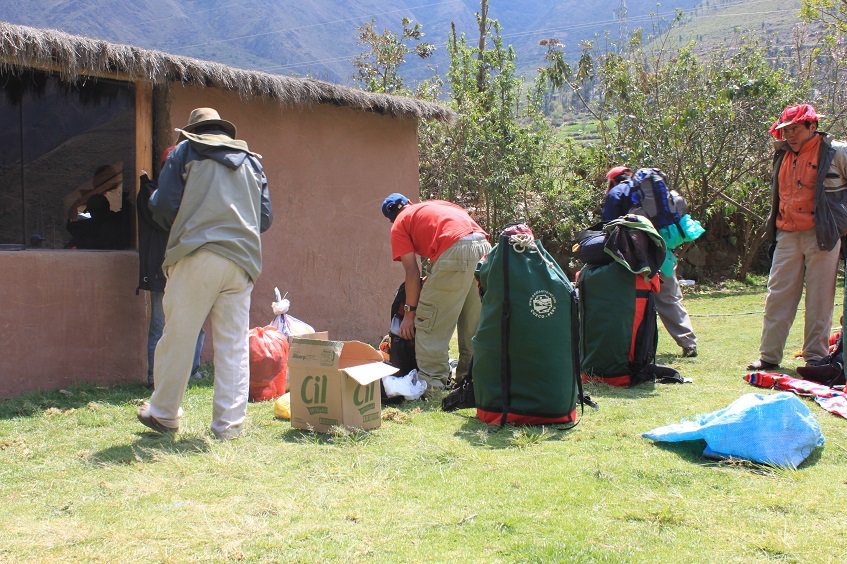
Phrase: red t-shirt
pixel 430 228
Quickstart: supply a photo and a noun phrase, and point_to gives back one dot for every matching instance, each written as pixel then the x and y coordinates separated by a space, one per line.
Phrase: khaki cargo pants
pixel 798 260
pixel 449 301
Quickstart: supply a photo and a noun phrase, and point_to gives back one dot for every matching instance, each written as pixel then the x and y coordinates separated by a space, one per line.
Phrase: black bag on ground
pixel 401 351
pixel 462 396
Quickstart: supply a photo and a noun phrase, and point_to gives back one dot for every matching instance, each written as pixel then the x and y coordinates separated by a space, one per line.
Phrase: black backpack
pixel 401 351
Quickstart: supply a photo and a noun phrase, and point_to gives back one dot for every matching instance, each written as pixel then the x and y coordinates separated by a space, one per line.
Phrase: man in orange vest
pixel 809 189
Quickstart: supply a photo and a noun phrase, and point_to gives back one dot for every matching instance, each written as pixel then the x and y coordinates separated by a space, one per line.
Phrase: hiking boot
pixel 689 352
pixel 148 420
pixel 762 365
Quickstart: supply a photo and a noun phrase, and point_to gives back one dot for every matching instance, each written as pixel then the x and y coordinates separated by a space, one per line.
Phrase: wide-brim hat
pixel 201 117
pixel 107 177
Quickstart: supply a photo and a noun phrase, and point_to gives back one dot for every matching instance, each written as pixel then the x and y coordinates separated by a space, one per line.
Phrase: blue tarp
pixel 775 429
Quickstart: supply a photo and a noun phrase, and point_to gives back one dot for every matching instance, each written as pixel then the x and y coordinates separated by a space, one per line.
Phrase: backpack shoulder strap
pixel 505 324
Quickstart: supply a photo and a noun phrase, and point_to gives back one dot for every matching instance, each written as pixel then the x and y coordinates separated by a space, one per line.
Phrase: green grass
pixel 582 130
pixel 81 480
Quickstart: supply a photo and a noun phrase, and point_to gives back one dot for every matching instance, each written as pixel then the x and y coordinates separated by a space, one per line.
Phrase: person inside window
pixel 99 226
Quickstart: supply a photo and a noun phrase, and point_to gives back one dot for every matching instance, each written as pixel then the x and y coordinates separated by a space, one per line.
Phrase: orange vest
pixel 797 177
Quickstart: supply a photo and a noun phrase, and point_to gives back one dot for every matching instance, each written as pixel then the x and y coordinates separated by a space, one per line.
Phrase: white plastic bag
pixel 288 324
pixel 409 386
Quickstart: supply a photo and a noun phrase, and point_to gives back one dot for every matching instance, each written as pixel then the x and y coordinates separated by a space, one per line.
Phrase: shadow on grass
pixel 300 436
pixel 71 397
pixel 148 448
pixel 692 451
pixel 600 390
pixel 80 395
pixel 480 434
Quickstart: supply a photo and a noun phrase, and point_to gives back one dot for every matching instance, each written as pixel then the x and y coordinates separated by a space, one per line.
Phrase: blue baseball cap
pixel 391 203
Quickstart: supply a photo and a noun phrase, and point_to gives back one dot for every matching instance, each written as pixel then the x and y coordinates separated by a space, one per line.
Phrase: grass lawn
pixel 82 480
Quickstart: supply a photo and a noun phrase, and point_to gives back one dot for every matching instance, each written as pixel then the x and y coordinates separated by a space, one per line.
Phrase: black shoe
pixel 762 365
pixel 829 374
pixel 689 352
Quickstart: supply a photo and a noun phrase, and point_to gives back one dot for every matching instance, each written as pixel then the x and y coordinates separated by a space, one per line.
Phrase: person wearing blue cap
pixel 454 243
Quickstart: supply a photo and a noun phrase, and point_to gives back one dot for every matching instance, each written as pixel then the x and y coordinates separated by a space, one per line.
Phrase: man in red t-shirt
pixel 454 243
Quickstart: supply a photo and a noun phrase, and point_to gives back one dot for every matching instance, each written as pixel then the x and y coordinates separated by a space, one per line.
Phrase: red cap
pixel 801 113
pixel 617 171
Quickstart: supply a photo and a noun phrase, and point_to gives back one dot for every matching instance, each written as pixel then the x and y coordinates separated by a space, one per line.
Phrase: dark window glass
pixel 11 187
pixel 67 153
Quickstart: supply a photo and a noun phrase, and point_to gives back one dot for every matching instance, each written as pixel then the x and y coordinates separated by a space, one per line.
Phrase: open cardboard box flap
pixel 363 363
pixel 364 374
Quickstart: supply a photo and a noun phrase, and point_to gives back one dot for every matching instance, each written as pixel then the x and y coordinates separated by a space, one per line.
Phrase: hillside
pixel 319 38
pixel 722 22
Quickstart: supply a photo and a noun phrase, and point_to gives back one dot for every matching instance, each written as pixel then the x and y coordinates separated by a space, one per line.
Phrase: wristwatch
pixel 407 307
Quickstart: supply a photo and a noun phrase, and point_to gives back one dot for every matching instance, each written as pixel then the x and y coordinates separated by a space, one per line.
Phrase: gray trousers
pixel 673 314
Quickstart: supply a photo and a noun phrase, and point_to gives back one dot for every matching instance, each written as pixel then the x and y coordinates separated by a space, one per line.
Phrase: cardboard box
pixel 335 383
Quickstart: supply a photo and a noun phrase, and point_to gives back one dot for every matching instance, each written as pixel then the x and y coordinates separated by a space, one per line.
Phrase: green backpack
pixel 617 307
pixel 526 349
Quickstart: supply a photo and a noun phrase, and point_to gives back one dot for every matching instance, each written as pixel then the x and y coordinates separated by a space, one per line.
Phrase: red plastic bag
pixel 268 363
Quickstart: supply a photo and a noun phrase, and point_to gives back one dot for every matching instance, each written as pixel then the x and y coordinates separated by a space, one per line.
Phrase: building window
pixel 67 162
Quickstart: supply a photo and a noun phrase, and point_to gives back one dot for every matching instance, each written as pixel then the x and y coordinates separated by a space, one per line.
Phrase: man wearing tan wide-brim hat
pixel 213 198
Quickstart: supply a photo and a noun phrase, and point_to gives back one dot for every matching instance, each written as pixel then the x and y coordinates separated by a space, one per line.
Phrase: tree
pixel 377 68
pixel 702 119
pixel 830 55
pixel 495 158
pixel 832 13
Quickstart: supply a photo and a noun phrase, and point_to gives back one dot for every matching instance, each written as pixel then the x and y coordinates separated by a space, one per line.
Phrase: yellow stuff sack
pixel 282 407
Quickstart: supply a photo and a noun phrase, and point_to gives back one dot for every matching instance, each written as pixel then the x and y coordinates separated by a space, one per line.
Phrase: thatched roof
pixel 73 56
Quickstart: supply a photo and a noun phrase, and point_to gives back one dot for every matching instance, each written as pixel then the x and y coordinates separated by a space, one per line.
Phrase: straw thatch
pixel 73 56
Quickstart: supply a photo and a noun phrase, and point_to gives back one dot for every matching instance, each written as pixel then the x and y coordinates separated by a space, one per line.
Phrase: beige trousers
pixel 449 300
pixel 798 260
pixel 200 285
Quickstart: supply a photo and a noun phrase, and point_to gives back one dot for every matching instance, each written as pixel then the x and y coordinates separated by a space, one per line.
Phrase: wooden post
pixel 143 136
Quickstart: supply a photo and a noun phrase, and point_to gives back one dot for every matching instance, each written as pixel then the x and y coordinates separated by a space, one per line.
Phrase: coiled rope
pixel 520 242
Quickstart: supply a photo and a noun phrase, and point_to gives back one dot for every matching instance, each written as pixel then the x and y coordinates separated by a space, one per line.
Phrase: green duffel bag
pixel 526 349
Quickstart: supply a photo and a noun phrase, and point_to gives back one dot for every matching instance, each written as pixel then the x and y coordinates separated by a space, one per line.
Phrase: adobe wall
pixel 70 317
pixel 329 168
